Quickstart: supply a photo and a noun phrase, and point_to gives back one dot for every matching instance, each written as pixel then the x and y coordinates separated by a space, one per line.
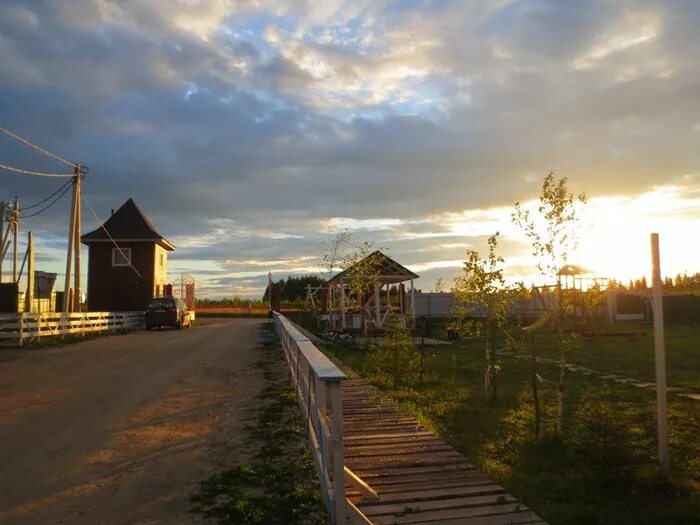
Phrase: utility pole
pixel 29 303
pixel 5 237
pixel 15 229
pixel 659 356
pixel 69 255
pixel 76 236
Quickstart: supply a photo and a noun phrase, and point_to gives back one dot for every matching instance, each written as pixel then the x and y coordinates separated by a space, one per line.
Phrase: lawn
pixel 601 469
pixel 623 356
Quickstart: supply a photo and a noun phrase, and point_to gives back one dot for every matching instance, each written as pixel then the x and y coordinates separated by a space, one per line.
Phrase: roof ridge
pixel 128 222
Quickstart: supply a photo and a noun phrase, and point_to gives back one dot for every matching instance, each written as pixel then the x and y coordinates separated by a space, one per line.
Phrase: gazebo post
pixel 377 305
pixel 330 306
pixel 413 302
pixel 342 304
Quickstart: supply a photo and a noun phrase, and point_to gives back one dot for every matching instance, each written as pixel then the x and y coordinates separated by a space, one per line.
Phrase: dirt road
pixel 120 429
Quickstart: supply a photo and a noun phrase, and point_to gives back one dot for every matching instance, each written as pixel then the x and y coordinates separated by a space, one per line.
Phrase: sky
pixel 250 130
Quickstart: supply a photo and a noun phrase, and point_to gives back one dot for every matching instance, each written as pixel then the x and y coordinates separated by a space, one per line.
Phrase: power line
pixel 24 208
pixel 65 190
pixel 39 173
pixel 37 148
pixel 102 225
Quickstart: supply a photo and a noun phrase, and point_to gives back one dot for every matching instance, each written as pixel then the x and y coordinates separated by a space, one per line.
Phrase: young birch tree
pixel 553 234
pixel 482 292
pixel 334 251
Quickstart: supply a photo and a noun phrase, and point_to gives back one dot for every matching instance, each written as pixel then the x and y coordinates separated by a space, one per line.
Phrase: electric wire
pixel 39 173
pixel 24 208
pixel 58 198
pixel 102 225
pixel 37 148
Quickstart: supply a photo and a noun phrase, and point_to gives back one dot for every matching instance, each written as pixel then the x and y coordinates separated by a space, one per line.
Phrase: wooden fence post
pixel 659 356
pixel 21 328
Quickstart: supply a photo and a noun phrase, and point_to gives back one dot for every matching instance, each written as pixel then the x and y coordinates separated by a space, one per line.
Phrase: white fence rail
pixel 317 382
pixel 21 328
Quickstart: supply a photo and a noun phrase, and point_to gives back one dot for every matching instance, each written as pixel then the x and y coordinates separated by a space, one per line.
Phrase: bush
pixel 397 357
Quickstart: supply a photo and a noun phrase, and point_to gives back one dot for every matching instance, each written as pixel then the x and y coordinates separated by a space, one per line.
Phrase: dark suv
pixel 167 311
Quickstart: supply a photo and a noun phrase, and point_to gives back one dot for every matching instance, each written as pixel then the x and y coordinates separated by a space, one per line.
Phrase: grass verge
pixel 278 486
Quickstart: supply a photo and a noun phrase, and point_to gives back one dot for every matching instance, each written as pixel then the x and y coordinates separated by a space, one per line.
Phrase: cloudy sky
pixel 249 130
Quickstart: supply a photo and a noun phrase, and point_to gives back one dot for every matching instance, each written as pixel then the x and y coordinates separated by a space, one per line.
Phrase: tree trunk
pixel 490 376
pixel 535 387
pixel 562 361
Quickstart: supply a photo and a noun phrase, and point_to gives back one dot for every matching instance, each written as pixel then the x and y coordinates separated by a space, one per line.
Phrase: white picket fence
pixel 26 327
pixel 317 382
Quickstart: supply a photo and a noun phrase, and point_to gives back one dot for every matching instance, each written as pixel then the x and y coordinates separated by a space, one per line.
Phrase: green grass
pixel 601 469
pixel 279 485
pixel 619 355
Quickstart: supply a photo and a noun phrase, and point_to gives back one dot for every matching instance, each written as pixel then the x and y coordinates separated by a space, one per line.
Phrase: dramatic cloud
pixel 248 130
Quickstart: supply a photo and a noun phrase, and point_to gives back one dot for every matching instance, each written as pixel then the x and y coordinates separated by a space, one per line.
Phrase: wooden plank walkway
pixel 419 478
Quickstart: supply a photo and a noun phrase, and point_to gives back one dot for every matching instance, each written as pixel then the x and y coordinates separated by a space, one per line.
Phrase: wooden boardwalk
pixel 419 478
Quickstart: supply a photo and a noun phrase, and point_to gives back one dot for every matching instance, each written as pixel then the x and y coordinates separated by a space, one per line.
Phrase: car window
pixel 160 302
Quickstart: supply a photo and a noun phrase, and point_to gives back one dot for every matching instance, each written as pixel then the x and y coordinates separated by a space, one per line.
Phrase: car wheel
pixel 178 325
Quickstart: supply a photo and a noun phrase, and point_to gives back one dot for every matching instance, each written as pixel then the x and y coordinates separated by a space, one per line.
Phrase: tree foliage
pixel 294 288
pixel 335 251
pixel 396 356
pixel 553 234
pixel 482 305
pixel 681 283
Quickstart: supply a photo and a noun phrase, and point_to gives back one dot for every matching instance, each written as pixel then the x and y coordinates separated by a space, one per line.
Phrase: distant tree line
pixel 681 283
pixel 294 288
pixel 231 301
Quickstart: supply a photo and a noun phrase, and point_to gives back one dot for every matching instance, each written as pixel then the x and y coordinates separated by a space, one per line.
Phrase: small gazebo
pixel 371 303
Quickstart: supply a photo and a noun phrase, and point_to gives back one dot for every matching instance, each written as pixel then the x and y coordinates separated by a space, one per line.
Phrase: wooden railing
pixel 21 328
pixel 317 382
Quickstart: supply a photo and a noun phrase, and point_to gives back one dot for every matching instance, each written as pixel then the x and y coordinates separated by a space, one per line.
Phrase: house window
pixel 121 257
pixel 162 260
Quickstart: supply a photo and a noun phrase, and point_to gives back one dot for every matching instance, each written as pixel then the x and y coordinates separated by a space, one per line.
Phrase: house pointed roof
pixel 384 269
pixel 128 223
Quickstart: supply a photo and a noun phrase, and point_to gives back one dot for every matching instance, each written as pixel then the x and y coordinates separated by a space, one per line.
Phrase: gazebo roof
pixel 573 269
pixel 385 269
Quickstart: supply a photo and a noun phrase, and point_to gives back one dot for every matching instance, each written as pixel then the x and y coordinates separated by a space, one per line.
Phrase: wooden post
pixel 5 242
pixel 377 305
pixel 15 244
pixel 76 239
pixel 659 356
pixel 413 302
pixel 29 296
pixel 342 304
pixel 329 306
pixel 69 258
pixel 339 511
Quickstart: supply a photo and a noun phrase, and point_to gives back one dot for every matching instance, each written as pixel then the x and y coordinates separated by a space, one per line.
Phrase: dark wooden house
pixel 127 262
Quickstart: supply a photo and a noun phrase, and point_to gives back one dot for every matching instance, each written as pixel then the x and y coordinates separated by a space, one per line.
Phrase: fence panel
pixel 24 327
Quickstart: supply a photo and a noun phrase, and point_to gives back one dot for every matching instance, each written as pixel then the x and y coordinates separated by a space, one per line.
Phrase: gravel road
pixel 120 429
